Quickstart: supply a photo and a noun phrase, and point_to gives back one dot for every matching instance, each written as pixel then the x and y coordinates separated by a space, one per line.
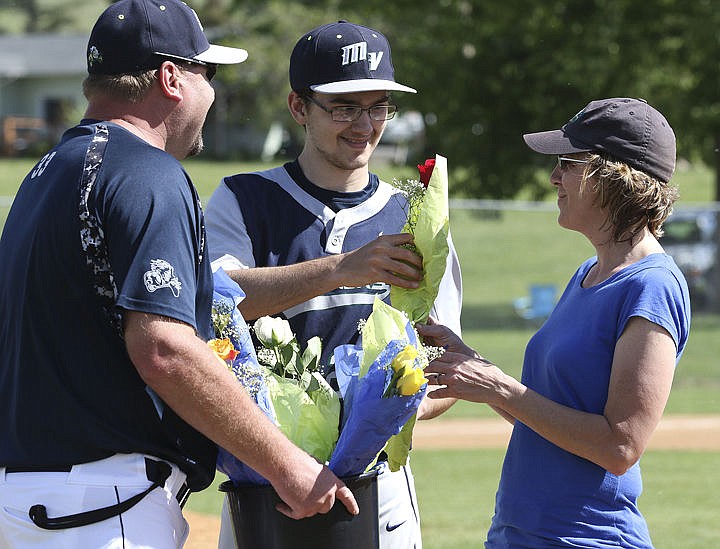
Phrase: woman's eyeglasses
pixel 564 162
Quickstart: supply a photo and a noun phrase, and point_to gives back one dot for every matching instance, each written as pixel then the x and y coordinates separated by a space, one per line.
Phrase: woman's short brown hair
pixel 633 199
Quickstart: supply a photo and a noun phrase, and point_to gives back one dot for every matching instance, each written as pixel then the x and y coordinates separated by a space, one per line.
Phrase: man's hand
pixel 183 371
pixel 270 290
pixel 382 260
pixel 312 488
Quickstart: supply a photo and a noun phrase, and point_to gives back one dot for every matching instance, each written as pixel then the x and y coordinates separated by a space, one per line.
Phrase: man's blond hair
pixel 124 87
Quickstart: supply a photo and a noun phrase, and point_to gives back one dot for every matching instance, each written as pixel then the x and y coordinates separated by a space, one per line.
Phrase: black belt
pixel 157 472
pixel 39 469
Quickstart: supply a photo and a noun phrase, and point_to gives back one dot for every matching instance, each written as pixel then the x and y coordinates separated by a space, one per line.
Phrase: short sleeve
pixel 228 242
pixel 153 224
pixel 658 295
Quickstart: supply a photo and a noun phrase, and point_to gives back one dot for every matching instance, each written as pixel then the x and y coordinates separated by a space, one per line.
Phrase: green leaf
pixel 398 447
pixel 305 381
pixel 289 360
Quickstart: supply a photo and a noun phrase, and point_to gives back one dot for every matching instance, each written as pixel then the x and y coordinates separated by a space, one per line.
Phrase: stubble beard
pixel 197 146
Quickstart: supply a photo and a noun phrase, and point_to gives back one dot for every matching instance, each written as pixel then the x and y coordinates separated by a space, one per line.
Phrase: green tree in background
pixel 40 16
pixel 490 71
pixel 486 70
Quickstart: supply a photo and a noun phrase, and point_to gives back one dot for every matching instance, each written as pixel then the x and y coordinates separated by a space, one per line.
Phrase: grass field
pixel 456 493
pixel 501 254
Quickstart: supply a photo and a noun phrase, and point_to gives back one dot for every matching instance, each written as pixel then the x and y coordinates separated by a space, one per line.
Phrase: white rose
pixel 273 331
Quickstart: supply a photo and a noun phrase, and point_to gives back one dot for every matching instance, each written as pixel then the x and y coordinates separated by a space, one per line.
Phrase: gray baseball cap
pixel 629 130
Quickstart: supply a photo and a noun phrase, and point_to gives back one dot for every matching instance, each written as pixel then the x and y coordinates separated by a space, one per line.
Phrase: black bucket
pixel 257 524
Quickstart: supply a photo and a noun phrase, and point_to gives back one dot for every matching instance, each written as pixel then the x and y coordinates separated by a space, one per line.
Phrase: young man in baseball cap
pixel 317 239
pixel 111 402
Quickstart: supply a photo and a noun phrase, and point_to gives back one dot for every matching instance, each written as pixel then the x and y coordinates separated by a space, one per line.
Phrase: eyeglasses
pixel 564 162
pixel 210 68
pixel 347 113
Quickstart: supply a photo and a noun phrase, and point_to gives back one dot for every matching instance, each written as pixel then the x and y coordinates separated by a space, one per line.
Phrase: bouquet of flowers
pixel 429 222
pixel 381 379
pixel 379 397
pixel 282 380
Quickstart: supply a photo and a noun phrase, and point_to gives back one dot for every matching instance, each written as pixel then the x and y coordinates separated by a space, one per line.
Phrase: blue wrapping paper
pixel 369 419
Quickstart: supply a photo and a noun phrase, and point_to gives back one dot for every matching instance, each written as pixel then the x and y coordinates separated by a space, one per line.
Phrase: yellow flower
pixel 223 348
pixel 405 358
pixel 411 381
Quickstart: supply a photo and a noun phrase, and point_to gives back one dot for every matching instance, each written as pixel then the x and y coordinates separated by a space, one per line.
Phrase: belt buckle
pixel 159 471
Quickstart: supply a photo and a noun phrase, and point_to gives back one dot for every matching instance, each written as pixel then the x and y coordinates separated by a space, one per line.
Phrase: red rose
pixel 426 171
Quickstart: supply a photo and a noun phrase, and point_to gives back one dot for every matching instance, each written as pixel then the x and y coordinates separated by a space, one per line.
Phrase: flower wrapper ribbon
pixel 371 421
pixel 309 420
pixel 431 240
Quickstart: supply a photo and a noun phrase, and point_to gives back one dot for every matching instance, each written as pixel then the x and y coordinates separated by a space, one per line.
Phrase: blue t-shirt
pixel 547 496
pixel 105 222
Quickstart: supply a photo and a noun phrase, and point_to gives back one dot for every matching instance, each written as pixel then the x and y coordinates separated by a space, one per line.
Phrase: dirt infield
pixel 690 432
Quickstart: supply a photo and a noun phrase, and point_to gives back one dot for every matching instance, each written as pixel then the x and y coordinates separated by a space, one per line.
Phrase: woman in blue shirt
pixel 597 375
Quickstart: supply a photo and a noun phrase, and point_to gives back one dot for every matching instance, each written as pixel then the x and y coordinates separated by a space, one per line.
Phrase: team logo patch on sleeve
pixel 162 275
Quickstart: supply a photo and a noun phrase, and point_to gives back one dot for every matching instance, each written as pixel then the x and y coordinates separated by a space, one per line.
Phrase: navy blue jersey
pixel 104 223
pixel 277 217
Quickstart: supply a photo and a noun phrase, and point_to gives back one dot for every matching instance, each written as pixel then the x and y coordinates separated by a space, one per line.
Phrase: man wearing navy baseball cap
pixel 343 57
pixel 135 36
pixel 112 403
pixel 317 239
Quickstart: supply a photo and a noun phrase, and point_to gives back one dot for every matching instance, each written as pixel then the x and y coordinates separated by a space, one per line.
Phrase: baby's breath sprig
pixel 251 376
pixel 222 321
pixel 431 352
pixel 414 192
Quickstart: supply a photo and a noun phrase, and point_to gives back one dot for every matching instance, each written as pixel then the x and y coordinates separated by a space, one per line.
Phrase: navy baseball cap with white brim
pixel 132 36
pixel 343 57
pixel 629 130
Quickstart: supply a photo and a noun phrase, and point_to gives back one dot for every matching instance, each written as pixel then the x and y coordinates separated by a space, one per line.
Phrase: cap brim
pixel 367 84
pixel 554 142
pixel 222 55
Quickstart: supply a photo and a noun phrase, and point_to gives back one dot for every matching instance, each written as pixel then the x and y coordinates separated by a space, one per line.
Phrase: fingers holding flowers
pixel 442 336
pixel 459 375
pixel 385 259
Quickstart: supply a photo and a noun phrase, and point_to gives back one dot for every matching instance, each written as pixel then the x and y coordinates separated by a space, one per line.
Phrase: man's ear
pixel 297 107
pixel 168 76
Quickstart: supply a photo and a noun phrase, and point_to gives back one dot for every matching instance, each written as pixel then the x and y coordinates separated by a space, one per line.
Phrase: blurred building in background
pixel 40 89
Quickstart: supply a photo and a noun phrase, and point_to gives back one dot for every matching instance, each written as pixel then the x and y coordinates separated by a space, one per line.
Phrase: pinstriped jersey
pixel 273 218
